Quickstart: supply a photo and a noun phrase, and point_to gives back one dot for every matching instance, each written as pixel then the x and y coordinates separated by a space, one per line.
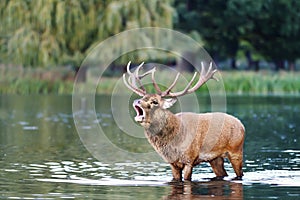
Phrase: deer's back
pixel 215 121
pixel 211 134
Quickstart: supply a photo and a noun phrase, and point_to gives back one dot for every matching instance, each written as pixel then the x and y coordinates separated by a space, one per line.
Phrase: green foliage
pixel 43 33
pixel 263 83
pixel 26 81
pixel 235 82
pixel 58 32
pixel 276 29
pixel 35 86
pixel 272 28
pixel 219 27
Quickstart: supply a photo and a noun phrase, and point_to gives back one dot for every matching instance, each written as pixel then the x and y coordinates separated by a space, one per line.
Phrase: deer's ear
pixel 168 103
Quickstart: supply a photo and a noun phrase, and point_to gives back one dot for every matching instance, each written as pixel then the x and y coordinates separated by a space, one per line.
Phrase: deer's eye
pixel 155 102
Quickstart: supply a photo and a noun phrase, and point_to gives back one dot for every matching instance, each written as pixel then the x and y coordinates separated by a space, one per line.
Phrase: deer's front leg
pixel 188 172
pixel 177 172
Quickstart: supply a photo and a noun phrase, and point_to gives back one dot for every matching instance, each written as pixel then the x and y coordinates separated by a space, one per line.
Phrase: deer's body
pixel 186 139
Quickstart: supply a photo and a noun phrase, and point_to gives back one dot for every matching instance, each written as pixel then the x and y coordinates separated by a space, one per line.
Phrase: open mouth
pixel 140 113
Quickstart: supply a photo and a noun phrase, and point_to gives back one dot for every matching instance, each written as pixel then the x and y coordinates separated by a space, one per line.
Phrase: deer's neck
pixel 164 135
pixel 162 123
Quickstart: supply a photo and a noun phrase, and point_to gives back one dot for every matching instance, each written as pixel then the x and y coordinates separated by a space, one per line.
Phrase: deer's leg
pixel 217 165
pixel 177 172
pixel 236 160
pixel 188 172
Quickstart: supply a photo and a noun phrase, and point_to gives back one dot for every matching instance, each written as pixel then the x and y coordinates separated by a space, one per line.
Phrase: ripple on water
pixel 119 174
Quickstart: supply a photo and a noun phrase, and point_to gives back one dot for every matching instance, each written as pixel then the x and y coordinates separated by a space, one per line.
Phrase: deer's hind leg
pixel 217 165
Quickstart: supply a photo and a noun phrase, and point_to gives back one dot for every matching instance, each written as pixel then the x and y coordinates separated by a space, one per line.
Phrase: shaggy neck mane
pixel 164 127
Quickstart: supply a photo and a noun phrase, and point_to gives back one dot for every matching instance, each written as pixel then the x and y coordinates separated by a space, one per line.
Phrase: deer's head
pixel 151 105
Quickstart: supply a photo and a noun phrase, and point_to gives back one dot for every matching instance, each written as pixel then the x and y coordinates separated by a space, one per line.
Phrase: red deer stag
pixel 186 139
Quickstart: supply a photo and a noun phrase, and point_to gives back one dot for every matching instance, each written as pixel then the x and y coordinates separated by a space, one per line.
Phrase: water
pixel 42 156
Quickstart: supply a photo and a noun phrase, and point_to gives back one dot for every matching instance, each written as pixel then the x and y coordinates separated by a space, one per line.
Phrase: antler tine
pixel 137 77
pixel 134 89
pixel 131 75
pixel 138 69
pixel 212 72
pixel 156 87
pixel 146 73
pixel 128 69
pixel 185 90
pixel 132 84
pixel 165 93
pixel 203 78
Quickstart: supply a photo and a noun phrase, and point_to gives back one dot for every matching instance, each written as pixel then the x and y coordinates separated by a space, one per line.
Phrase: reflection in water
pixel 207 190
pixel 41 155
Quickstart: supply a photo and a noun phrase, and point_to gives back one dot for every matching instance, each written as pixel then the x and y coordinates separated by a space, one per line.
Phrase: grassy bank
pixel 235 82
pixel 262 83
pixel 244 83
pixel 34 86
pixel 23 81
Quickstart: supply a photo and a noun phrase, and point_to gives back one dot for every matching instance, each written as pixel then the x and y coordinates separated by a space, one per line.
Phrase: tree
pixel 276 30
pixel 271 27
pixel 58 32
pixel 219 23
pixel 131 14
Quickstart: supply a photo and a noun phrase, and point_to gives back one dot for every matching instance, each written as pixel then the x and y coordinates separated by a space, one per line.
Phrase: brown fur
pixel 186 139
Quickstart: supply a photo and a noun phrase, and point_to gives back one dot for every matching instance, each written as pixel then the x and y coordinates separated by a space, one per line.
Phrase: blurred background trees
pixel 61 32
pixel 268 28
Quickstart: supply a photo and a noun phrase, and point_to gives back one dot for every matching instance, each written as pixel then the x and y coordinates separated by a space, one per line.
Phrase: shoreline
pixel 262 83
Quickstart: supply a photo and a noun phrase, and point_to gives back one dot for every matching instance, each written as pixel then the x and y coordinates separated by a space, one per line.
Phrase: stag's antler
pixel 135 78
pixel 203 78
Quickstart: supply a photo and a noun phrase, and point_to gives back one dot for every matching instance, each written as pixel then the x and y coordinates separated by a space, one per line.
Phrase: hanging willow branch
pixel 47 33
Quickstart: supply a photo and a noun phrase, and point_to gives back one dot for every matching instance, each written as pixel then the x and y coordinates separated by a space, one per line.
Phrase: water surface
pixel 42 156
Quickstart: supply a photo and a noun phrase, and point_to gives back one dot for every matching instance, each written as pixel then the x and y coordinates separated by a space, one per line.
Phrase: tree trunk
pixel 249 59
pixel 251 62
pixel 233 63
pixel 279 65
pixel 292 65
pixel 256 65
